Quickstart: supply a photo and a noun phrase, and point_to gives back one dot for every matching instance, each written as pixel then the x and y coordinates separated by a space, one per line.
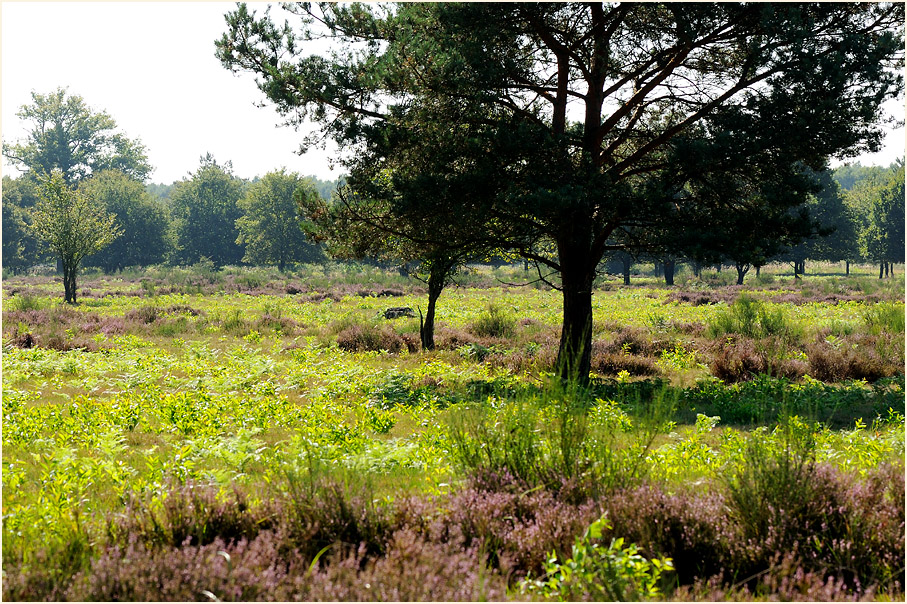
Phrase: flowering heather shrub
pixel 514 525
pixel 857 356
pixel 191 514
pixel 322 513
pixel 626 340
pixel 260 570
pixel 692 529
pixel 448 338
pixel 740 359
pixel 534 358
pixel 837 538
pixel 413 570
pixel 143 314
pixel 612 364
pixel 359 338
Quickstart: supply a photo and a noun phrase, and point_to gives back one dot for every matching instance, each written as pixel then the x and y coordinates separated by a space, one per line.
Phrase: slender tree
pixel 73 226
pixel 654 88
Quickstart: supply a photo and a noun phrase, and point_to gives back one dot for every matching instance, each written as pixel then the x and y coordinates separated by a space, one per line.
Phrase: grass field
pixel 185 434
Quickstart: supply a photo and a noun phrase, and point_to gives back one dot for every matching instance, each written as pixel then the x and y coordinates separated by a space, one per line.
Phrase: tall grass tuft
pixel 551 440
pixel 752 318
pixel 885 317
pixel 495 322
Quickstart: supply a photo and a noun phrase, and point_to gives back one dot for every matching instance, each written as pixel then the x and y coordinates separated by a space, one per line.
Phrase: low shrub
pixel 752 318
pixel 741 359
pixel 614 363
pixel 360 337
pixel 614 573
pixel 143 314
pixel 857 357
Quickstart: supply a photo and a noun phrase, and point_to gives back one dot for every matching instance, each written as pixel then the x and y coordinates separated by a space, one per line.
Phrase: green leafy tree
pixel 883 237
pixel 65 134
pixel 72 225
pixel 876 199
pixel 20 246
pixel 656 89
pixel 204 209
pixel 270 227
pixel 837 238
pixel 144 222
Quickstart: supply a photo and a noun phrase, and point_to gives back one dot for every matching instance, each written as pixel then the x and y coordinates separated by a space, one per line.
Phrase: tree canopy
pixel 580 120
pixel 270 227
pixel 144 222
pixel 204 211
pixel 67 135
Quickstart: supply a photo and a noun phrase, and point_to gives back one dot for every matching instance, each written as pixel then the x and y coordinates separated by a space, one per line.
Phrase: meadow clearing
pixel 188 434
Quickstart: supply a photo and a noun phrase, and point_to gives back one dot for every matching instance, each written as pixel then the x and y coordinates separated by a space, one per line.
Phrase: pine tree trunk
pixel 574 356
pixel 436 281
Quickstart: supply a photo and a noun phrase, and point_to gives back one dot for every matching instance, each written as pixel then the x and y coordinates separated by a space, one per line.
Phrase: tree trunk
pixel 69 280
pixel 574 357
pixel 626 267
pixel 436 281
pixel 881 270
pixel 742 269
pixel 847 267
pixel 887 265
pixel 669 266
pixel 796 269
pixel 758 269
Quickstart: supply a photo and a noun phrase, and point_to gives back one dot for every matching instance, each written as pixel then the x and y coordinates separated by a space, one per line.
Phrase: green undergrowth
pixel 126 398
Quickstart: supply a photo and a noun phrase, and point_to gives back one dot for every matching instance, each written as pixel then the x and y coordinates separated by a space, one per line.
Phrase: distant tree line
pixel 211 214
pixel 857 216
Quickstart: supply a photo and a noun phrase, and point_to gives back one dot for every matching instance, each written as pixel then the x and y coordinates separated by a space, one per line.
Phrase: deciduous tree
pixel 73 226
pixel 205 209
pixel 270 227
pixel 67 135
pixel 144 222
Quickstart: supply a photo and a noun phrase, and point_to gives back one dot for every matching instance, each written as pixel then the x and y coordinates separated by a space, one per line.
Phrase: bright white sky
pixel 151 66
